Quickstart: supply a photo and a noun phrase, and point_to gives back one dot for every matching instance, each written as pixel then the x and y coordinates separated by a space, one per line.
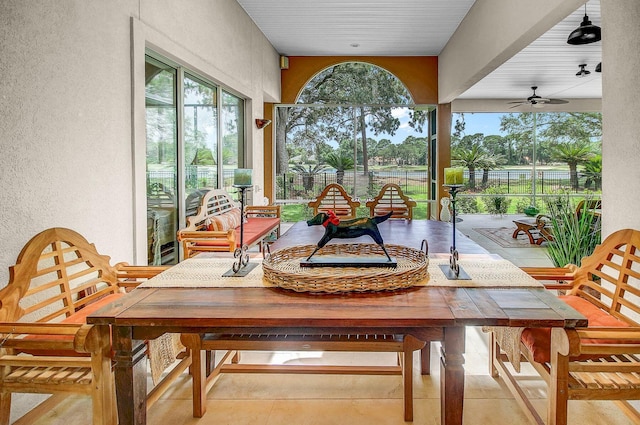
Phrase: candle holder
pixel 241 267
pixel 454 271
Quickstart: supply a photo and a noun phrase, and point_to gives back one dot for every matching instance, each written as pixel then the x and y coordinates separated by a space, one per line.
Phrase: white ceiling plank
pixel 424 27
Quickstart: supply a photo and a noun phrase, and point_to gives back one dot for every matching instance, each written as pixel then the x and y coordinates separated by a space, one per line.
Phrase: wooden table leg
pixel 130 377
pixel 452 376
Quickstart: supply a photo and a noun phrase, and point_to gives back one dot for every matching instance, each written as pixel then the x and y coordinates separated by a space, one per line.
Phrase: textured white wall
pixel 66 110
pixel 620 123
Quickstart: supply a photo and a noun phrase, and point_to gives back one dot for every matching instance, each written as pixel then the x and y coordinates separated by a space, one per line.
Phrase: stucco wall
pixel 66 119
pixel 620 123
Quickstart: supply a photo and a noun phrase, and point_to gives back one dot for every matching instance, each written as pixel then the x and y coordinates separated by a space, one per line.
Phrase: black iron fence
pixel 298 186
pixel 292 186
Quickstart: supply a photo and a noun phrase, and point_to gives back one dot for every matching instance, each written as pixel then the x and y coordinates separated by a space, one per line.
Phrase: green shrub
pixel 575 236
pixel 466 205
pixel 497 204
pixel 525 202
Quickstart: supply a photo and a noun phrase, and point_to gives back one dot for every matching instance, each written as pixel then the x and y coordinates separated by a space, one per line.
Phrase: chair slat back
pixel 214 202
pixel 610 277
pixel 334 197
pixel 56 273
pixel 392 199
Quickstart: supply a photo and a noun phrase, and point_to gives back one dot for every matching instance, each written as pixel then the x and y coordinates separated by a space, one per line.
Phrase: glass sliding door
pixel 232 137
pixel 162 156
pixel 195 139
pixel 200 141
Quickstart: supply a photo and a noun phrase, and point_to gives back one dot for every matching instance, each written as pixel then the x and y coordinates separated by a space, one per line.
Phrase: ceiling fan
pixel 538 101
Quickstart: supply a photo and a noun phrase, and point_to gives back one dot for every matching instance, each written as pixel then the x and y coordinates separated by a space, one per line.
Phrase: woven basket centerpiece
pixel 282 268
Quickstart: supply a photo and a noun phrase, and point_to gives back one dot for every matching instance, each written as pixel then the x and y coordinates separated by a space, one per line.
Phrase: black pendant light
pixel 586 33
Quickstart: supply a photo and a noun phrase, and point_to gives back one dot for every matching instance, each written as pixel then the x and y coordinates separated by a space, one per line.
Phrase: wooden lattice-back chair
pixel 334 197
pixel 392 199
pixel 601 361
pixel 58 280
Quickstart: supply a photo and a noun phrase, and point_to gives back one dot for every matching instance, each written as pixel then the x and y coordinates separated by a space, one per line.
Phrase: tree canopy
pixel 345 102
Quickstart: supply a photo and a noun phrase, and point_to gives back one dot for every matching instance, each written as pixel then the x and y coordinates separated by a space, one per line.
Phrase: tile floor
pixel 324 400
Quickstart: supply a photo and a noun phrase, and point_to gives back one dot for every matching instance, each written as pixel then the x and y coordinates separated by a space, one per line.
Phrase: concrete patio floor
pixel 531 256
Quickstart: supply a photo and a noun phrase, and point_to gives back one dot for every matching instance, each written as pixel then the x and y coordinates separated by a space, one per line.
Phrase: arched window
pixel 356 124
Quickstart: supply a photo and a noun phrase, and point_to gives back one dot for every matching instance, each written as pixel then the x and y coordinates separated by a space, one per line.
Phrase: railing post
pixel 284 186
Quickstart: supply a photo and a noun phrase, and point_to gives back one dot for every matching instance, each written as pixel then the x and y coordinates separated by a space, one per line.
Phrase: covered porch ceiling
pixel 523 45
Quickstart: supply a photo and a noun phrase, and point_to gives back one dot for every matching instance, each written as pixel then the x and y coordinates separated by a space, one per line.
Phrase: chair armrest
pixel 605 341
pixel 263 211
pixel 81 338
pixel 552 273
pixel 195 235
pixel 190 239
pixel 131 276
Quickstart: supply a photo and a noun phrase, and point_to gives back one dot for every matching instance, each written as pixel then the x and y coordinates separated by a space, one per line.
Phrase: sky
pixel 486 123
pixel 479 122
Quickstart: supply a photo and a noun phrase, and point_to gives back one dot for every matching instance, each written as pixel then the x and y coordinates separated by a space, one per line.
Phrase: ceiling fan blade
pixel 557 101
pixel 521 102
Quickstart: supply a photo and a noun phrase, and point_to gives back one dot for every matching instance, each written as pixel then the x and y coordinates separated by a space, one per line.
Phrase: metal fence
pixel 300 186
pixel 195 177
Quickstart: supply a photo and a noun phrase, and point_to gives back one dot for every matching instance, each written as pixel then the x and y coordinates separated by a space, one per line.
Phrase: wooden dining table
pixel 430 313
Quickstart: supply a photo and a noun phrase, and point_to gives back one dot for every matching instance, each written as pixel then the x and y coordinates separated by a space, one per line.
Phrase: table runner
pixel 207 273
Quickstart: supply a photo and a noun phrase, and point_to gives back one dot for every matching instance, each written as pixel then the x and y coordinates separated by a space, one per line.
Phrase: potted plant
pixel 341 163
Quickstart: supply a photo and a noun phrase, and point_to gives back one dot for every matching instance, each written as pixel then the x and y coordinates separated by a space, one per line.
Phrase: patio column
pixel 620 107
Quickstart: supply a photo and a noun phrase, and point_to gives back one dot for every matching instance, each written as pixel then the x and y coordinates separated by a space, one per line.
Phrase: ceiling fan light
pixel 583 72
pixel 586 33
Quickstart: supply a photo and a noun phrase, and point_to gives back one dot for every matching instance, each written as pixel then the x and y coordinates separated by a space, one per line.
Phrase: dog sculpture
pixel 354 228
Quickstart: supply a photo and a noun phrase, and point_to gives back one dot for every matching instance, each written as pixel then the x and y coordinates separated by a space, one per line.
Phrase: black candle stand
pixel 241 267
pixel 454 271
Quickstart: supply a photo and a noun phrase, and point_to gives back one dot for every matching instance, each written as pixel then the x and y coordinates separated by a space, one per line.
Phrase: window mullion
pixel 220 182
pixel 180 195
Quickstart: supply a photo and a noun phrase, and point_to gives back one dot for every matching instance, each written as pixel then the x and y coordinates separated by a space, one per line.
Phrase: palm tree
pixel 341 163
pixel 309 174
pixel 593 172
pixel 471 158
pixel 573 154
pixel 492 161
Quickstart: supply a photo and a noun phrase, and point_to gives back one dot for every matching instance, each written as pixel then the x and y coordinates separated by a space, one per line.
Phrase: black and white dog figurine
pixel 343 229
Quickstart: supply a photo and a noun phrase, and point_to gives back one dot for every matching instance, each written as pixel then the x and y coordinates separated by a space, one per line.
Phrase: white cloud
pixel 400 113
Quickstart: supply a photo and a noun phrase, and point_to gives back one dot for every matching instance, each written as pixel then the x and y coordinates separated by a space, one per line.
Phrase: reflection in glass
pixel 232 114
pixel 162 212
pixel 200 141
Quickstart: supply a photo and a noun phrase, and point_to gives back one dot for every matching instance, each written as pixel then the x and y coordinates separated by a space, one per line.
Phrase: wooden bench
pixel 599 362
pixel 216 225
pixel 333 197
pixel 391 198
pixel 205 371
pixel 46 346
pixel 537 229
pixel 540 229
